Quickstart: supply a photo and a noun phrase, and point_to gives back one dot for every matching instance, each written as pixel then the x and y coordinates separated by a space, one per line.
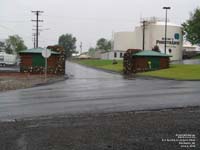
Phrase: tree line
pixel 15 44
pixel 69 43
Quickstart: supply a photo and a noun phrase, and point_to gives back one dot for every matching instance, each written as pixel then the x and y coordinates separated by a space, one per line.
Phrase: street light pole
pixel 166 8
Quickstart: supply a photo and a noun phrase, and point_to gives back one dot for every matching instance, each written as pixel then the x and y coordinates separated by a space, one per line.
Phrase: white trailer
pixel 7 59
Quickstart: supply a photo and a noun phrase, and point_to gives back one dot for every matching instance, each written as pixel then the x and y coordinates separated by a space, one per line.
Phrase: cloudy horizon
pixel 87 20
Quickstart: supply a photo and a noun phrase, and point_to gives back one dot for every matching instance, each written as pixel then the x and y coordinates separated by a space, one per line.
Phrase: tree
pixel 192 27
pixel 91 51
pixel 104 44
pixel 14 44
pixel 2 46
pixel 9 50
pixel 68 42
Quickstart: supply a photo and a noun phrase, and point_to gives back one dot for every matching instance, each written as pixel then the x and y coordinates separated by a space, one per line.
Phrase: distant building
pixel 111 55
pixel 84 56
pixel 188 47
pixel 123 41
pixel 190 50
pixel 96 54
pixel 154 35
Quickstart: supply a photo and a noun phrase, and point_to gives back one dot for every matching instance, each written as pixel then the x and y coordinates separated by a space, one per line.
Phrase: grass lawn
pixel 103 64
pixel 178 72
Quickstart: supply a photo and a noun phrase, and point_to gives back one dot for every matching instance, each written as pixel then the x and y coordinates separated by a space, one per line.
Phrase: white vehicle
pixel 7 59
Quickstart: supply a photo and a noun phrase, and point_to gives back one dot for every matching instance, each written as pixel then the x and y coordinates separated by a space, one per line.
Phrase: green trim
pixel 36 51
pixel 151 53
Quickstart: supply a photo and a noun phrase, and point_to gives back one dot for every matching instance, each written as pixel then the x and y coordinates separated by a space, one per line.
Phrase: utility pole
pixel 37 13
pixel 81 45
pixel 143 37
pixel 166 8
pixel 34 40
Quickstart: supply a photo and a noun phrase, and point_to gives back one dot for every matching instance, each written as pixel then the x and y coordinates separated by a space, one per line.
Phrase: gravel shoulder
pixel 153 130
pixel 13 81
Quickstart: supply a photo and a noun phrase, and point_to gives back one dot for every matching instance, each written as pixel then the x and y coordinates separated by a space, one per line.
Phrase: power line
pixel 13 31
pixel 13 21
pixel 4 27
pixel 37 13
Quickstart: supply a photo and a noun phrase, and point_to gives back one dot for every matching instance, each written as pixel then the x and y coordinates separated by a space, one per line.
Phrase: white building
pixel 111 55
pixel 188 47
pixel 154 35
pixel 123 40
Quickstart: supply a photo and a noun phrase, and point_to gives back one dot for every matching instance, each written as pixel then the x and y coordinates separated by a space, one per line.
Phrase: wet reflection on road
pixel 89 90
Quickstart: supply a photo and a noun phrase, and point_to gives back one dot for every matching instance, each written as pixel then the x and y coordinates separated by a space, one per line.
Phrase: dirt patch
pixel 13 81
pixel 110 131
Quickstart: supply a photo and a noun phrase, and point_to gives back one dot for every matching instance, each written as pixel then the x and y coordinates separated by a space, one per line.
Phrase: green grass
pixel 103 64
pixel 178 72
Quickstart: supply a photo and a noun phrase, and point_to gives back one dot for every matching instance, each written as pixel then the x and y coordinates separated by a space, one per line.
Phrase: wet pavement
pixel 191 61
pixel 92 91
pixel 187 61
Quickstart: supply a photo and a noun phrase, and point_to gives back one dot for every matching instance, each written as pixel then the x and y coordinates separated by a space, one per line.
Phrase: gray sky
pixel 87 20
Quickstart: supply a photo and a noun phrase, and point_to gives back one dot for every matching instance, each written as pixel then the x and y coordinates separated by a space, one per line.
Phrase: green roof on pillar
pixel 151 53
pixel 36 50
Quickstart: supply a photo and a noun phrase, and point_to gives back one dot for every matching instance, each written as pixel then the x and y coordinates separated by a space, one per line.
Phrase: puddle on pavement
pixel 129 77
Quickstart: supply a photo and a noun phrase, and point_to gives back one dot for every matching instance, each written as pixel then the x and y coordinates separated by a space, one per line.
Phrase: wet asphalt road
pixel 93 91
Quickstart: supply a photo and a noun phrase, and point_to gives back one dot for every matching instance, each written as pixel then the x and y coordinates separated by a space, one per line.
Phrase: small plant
pixel 114 62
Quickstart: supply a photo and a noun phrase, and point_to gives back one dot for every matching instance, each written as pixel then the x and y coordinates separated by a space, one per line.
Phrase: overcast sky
pixel 87 20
